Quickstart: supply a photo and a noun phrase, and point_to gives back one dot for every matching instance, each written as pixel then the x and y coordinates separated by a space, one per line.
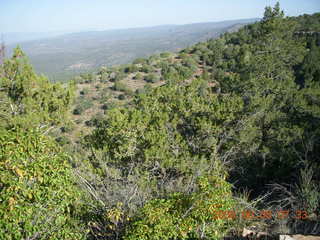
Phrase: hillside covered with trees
pixel 66 55
pixel 191 145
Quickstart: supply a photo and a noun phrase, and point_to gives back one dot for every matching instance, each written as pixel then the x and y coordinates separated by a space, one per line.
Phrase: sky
pixel 84 15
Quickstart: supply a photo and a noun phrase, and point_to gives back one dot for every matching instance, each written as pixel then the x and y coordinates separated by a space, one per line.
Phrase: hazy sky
pixel 77 15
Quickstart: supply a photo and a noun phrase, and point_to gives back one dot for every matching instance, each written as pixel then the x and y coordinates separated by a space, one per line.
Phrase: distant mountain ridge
pixel 19 37
pixel 63 56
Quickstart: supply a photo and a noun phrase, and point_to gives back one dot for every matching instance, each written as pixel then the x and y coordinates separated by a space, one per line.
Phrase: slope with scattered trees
pixel 175 146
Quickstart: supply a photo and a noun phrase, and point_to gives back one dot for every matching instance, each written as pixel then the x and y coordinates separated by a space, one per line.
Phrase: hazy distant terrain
pixel 18 37
pixel 62 56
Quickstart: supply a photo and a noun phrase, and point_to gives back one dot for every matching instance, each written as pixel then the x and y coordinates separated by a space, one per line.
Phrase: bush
pixel 88 77
pixel 147 68
pixel 105 95
pixel 82 106
pixel 185 72
pixel 116 77
pixel 118 86
pixel 165 55
pixel 140 91
pixel 105 106
pixel 147 88
pixel 109 105
pixel 168 72
pixel 139 61
pixel 29 100
pixel 77 111
pixel 138 76
pixel 38 195
pixel 121 97
pixel 131 69
pixel 63 140
pixel 67 128
pixel 104 77
pixel 190 63
pixel 152 77
pixel 84 91
pixel 94 121
pixel 78 80
pixel 183 216
pixel 183 56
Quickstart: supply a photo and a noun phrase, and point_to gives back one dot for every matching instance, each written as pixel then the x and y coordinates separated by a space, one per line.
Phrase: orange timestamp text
pixel 255 215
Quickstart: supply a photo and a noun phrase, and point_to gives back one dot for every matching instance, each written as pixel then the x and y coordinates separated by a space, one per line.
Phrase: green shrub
pixel 77 111
pixel 139 61
pixel 190 63
pixel 152 77
pixel 87 77
pixel 165 55
pixel 105 106
pixel 131 69
pixel 94 121
pixel 109 105
pixel 78 80
pixel 140 91
pixel 118 86
pixel 168 72
pixel 82 106
pixel 121 97
pixel 84 91
pixel 147 88
pixel 105 95
pixel 63 140
pixel 153 58
pixel 147 68
pixel 183 71
pixel 138 76
pixel 29 100
pixel 38 197
pixel 183 56
pixel 186 216
pixel 116 77
pixel 67 128
pixel 104 77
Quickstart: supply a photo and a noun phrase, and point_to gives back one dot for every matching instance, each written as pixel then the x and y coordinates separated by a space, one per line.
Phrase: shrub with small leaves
pixel 38 198
pixel 152 77
pixel 186 216
pixel 82 106
pixel 165 55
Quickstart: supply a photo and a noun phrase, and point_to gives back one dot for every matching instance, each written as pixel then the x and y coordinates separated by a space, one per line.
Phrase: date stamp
pixel 262 214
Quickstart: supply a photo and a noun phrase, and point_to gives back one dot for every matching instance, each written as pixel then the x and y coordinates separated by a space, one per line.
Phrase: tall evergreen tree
pixel 29 100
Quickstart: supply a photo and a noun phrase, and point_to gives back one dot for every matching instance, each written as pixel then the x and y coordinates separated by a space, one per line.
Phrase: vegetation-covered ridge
pixel 157 148
pixel 67 55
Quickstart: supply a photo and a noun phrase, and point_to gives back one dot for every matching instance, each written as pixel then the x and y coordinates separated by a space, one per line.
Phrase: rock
pixel 299 237
pixel 249 234
pixel 285 237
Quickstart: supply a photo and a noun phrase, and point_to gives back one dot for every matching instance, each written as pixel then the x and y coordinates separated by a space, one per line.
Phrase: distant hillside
pixel 63 56
pixel 18 37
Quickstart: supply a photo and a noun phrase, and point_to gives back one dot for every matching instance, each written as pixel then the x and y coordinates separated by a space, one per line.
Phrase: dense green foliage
pixel 38 196
pixel 65 56
pixel 254 107
pixel 27 99
pixel 82 105
pixel 186 216
pixel 238 112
